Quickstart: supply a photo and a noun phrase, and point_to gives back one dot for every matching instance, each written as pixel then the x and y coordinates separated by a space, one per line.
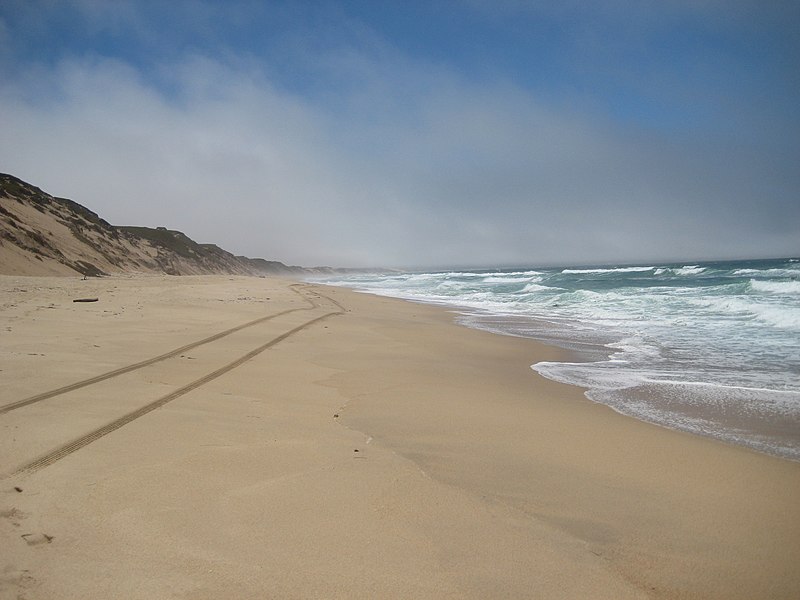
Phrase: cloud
pixel 373 157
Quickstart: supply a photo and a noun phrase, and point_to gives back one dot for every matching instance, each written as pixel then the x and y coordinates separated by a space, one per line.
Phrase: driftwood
pixel 85 300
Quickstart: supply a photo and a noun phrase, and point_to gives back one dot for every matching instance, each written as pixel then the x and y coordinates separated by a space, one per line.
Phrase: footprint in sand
pixel 14 515
pixel 36 539
pixel 15 581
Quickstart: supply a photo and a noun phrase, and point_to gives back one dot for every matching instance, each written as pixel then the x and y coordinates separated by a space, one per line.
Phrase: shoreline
pixel 768 437
pixel 384 451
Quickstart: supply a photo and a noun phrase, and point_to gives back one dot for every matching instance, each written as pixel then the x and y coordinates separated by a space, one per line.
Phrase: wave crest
pixel 775 287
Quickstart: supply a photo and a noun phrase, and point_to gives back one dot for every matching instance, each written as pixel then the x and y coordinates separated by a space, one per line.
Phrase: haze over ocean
pixel 417 134
pixel 708 348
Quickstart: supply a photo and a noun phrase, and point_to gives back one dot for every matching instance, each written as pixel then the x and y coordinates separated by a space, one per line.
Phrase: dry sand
pixel 366 448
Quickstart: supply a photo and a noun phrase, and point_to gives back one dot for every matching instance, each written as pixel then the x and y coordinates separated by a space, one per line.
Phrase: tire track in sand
pixel 85 440
pixel 150 361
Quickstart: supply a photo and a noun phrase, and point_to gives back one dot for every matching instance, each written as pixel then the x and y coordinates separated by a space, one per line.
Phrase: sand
pixel 346 446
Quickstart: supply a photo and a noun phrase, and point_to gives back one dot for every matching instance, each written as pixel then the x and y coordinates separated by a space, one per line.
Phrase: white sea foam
pixel 775 287
pixel 594 376
pixel 690 270
pixel 674 418
pixel 770 273
pixel 514 273
pixel 747 309
pixel 646 395
pixel 535 287
pixel 503 279
pixel 610 270
pixel 779 316
pixel 636 345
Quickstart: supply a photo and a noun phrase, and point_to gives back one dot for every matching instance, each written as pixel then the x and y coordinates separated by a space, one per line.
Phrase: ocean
pixel 711 348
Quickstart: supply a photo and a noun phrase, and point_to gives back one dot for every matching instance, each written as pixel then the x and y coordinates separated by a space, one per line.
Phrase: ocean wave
pixel 714 425
pixel 782 317
pixel 634 347
pixel 516 274
pixel 680 271
pixel 521 278
pixel 775 315
pixel 775 287
pixel 703 407
pixel 690 270
pixel 536 287
pixel 767 273
pixel 614 270
pixel 612 375
pixel 593 376
pixel 785 400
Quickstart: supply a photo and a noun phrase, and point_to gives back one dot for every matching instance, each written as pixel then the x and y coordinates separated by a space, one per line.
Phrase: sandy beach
pixel 237 437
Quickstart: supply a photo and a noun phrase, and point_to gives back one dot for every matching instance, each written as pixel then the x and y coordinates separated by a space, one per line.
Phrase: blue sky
pixel 417 133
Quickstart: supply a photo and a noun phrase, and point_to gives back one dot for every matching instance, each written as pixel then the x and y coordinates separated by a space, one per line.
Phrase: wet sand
pixel 245 437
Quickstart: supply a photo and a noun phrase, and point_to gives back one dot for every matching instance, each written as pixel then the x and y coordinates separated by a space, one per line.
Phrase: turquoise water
pixel 710 348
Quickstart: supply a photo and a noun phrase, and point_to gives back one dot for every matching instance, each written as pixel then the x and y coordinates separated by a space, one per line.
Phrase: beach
pixel 244 437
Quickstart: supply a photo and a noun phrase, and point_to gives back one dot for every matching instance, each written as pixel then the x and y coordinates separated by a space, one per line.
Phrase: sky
pixel 420 134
